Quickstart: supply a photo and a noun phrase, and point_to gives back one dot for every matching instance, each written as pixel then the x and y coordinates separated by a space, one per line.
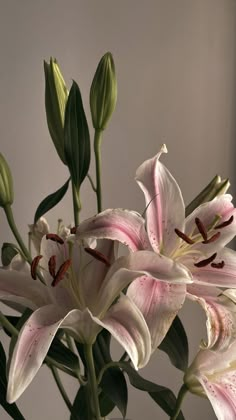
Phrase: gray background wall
pixel 175 61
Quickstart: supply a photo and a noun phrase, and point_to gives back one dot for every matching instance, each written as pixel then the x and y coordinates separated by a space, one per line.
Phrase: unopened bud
pixel 56 95
pixel 214 189
pixel 103 92
pixel 6 183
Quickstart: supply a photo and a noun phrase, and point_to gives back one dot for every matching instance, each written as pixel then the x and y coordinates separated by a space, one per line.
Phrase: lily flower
pixel 81 294
pixel 196 242
pixel 213 375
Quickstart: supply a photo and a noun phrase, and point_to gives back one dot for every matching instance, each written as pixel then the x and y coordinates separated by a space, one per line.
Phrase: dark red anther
pixel 73 230
pixel 54 237
pixel 226 223
pixel 61 272
pixel 52 265
pixel 34 265
pixel 218 265
pixel 201 228
pixel 184 237
pixel 98 255
pixel 205 262
pixel 212 239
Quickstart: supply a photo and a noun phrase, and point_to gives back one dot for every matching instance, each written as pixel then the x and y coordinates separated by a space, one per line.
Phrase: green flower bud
pixel 215 188
pixel 103 92
pixel 56 95
pixel 6 183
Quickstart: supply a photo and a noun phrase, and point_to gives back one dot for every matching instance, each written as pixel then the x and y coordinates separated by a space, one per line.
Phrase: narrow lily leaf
pixel 77 141
pixel 113 382
pixel 63 355
pixel 80 409
pixel 51 201
pixel 163 396
pixel 11 409
pixel 175 345
pixel 8 251
pixel 105 404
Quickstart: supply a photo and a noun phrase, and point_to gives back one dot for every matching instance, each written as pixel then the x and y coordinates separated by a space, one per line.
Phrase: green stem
pixel 91 183
pixel 76 204
pixel 97 151
pixel 182 392
pixel 11 222
pixel 92 382
pixel 61 388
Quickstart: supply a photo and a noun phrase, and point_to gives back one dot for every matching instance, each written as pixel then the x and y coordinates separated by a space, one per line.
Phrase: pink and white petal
pixel 221 394
pixel 137 264
pixel 18 287
pixel 127 325
pixel 164 205
pixel 32 346
pixel 220 277
pixel 220 206
pixel 159 303
pixel 125 226
pixel 221 319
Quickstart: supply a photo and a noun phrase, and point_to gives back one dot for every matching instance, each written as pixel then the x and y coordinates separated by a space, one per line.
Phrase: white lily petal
pixel 164 205
pixel 159 303
pixel 18 287
pixel 127 325
pixel 125 226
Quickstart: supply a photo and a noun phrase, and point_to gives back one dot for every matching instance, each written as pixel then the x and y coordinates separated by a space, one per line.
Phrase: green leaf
pixel 163 396
pixel 80 409
pixel 63 355
pixel 11 409
pixel 77 140
pixel 175 345
pixel 105 404
pixel 8 251
pixel 51 201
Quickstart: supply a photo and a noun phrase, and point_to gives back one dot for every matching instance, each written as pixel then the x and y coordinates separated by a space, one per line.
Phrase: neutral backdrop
pixel 176 68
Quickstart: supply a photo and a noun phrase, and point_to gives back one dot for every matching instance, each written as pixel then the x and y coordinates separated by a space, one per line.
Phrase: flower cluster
pixel 73 291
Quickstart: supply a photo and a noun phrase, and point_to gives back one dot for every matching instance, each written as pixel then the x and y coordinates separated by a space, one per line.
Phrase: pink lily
pixel 81 285
pixel 196 242
pixel 213 375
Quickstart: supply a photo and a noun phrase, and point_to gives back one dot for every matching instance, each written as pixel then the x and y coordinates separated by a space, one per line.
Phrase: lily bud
pixel 6 183
pixel 56 95
pixel 214 189
pixel 103 92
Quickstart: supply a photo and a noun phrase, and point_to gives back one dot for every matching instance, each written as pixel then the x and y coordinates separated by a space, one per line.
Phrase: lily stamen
pixel 226 223
pixel 201 228
pixel 98 256
pixel 212 239
pixel 52 266
pixel 218 265
pixel 204 263
pixel 61 272
pixel 55 238
pixel 73 230
pixel 34 265
pixel 184 237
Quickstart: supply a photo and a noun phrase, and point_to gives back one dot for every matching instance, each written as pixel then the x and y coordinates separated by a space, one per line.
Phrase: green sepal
pixel 56 95
pixel 8 252
pixel 175 345
pixel 77 140
pixel 11 409
pixel 51 201
pixel 163 396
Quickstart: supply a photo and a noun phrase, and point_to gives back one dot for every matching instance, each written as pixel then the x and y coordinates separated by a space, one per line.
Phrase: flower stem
pixel 11 222
pixel 97 151
pixel 92 382
pixel 182 392
pixel 61 387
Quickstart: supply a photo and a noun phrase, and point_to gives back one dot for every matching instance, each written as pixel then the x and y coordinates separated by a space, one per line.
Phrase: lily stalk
pixel 92 382
pixel 97 152
pixel 182 392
